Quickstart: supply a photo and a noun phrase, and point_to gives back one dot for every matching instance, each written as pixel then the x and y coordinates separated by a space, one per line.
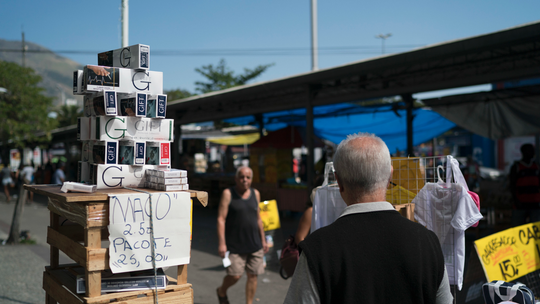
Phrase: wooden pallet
pixel 87 218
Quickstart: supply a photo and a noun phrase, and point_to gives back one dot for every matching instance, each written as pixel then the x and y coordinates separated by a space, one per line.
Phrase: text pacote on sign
pixel 99 78
pixel 132 57
pixel 134 128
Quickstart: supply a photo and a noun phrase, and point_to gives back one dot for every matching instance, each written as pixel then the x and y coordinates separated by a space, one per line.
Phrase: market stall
pixel 271 159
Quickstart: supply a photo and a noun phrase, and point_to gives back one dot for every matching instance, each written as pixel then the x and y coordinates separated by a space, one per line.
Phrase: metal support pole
pixel 537 147
pixel 314 46
pixel 409 102
pixel 259 119
pixel 310 145
pixel 125 23
pixel 176 146
pixel 23 51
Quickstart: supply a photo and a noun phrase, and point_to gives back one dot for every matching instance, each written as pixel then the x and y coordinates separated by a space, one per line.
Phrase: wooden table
pixel 87 215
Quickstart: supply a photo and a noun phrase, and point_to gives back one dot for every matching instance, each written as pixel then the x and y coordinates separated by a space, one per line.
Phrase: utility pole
pixel 314 52
pixel 383 38
pixel 23 51
pixel 125 23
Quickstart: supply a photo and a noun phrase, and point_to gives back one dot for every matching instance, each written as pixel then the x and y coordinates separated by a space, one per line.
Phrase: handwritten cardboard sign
pixel 269 215
pixel 130 230
pixel 510 254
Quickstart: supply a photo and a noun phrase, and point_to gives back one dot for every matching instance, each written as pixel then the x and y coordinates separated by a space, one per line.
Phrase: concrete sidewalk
pixel 22 266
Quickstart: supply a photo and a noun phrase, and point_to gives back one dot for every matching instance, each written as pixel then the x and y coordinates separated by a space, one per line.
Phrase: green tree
pixel 23 107
pixel 221 77
pixel 177 94
pixel 68 115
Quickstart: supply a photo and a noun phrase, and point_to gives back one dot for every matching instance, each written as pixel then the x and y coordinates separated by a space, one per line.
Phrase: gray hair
pixel 362 162
pixel 241 168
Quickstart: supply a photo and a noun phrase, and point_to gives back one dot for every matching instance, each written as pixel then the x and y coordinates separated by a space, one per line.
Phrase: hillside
pixel 56 71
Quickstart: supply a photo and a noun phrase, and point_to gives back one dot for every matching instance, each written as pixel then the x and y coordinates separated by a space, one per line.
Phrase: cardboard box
pixel 101 103
pixel 158 153
pixel 86 151
pixel 140 153
pixel 108 128
pixel 167 181
pixel 133 128
pixel 132 57
pixel 83 128
pixel 131 152
pixel 157 106
pixel 167 187
pixel 126 152
pixel 99 78
pixel 83 172
pixel 77 82
pixel 172 187
pixel 118 176
pixel 167 173
pixel 105 152
pixel 133 104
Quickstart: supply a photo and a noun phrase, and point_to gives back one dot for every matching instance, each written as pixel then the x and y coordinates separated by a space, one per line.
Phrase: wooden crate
pixel 88 217
pixel 60 285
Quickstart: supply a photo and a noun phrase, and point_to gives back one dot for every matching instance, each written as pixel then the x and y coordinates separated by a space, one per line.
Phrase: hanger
pixel 439 179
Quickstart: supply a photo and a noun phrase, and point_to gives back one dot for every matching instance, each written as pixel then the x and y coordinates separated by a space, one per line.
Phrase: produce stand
pixel 87 214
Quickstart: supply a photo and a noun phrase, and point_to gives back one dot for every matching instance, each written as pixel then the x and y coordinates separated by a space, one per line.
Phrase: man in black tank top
pixel 240 232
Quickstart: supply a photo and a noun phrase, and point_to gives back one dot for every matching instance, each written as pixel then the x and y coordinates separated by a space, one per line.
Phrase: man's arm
pixel 444 295
pixel 302 288
pixel 259 221
pixel 223 210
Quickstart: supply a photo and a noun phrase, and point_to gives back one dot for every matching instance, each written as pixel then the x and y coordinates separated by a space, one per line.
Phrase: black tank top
pixel 242 233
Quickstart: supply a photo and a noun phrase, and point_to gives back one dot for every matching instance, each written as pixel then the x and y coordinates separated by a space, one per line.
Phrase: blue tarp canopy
pixel 335 122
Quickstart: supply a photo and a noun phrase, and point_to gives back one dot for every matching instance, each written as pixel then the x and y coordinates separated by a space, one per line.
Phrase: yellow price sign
pixel 269 215
pixel 510 254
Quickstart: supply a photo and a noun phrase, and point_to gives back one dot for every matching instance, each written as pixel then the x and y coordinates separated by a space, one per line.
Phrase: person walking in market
pixel 7 181
pixel 370 254
pixel 241 234
pixel 27 177
pixel 525 187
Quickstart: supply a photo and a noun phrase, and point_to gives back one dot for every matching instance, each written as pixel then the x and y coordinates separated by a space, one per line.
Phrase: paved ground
pixel 21 266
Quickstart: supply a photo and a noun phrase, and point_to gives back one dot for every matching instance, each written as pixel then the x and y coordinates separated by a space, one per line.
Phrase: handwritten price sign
pixel 130 230
pixel 510 254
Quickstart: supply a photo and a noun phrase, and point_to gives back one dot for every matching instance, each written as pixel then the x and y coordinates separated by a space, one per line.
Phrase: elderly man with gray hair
pixel 370 254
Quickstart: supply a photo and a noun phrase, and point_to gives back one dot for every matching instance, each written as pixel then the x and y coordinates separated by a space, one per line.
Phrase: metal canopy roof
pixel 507 54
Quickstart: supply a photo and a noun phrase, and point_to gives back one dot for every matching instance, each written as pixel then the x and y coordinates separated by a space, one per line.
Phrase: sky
pixel 185 35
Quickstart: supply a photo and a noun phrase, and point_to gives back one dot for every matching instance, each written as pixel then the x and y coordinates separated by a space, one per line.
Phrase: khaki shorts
pixel 252 263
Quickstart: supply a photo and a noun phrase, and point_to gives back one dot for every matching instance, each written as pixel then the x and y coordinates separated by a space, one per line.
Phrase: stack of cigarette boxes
pixel 167 179
pixel 124 130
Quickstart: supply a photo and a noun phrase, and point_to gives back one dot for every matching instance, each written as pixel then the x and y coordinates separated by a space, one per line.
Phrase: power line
pixel 300 51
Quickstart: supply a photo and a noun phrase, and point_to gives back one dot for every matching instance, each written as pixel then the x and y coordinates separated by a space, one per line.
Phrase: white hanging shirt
pixel 448 212
pixel 327 206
